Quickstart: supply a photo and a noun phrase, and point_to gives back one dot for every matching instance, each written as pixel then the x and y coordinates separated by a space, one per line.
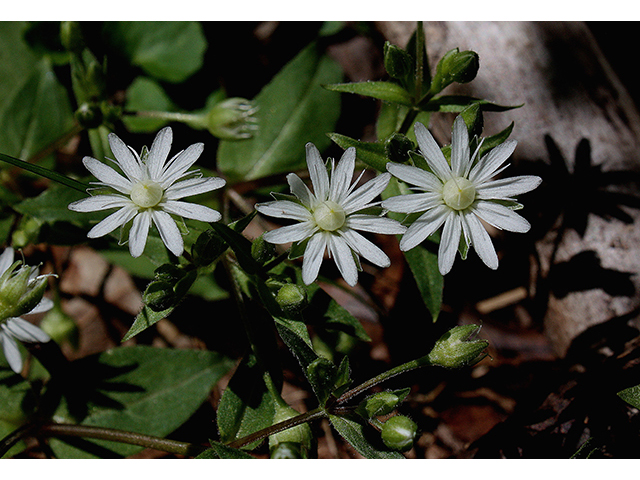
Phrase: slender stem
pixel 419 60
pixel 172 116
pixel 14 437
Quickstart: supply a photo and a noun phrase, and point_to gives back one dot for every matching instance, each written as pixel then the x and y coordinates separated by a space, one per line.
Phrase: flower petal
pixel 301 191
pixel 459 147
pixel 158 153
pixel 481 241
pixel 191 210
pixel 342 175
pixel 501 217
pixel 317 172
pixel 373 224
pixel 506 188
pixel 424 226
pixel 488 165
pixel 414 202
pixel 343 258
pixel 284 209
pixel 313 255
pixel 432 153
pixel 44 305
pixel 169 232
pixel 193 186
pixel 365 248
pixel 127 161
pixel 449 242
pixel 107 175
pixel 179 164
pixel 364 194
pixel 291 233
pixel 139 232
pixel 6 259
pixel 112 222
pixel 99 202
pixel 415 176
pixel 26 331
pixel 11 352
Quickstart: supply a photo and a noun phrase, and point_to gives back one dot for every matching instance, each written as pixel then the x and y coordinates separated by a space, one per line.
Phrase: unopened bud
pixel 397 148
pixel 379 404
pixel 456 349
pixel 294 442
pixel 71 36
pixel 262 251
pixel 292 298
pixel 455 66
pixel 159 296
pixel 399 432
pixel 232 119
pixel 89 115
pixel 397 62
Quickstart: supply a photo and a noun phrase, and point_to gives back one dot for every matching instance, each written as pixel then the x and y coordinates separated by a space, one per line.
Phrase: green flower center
pixel 329 216
pixel 458 193
pixel 146 194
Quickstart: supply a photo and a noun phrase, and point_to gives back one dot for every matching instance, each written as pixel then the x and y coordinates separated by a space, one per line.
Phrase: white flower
pixel 149 192
pixel 21 292
pixel 328 217
pixel 459 195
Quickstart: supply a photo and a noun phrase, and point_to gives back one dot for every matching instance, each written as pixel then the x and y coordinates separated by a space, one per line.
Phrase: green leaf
pixel 46 173
pixel 171 51
pixel 365 442
pixel 494 140
pixel 390 92
pixel 145 94
pixel 373 154
pixel 145 319
pixel 293 109
pixel 52 205
pixel 220 450
pixel 246 405
pixel 457 103
pixel 240 245
pixel 18 60
pixel 138 389
pixel 631 395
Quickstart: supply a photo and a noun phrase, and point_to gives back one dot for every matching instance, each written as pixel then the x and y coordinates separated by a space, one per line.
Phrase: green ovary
pixel 458 193
pixel 146 194
pixel 329 216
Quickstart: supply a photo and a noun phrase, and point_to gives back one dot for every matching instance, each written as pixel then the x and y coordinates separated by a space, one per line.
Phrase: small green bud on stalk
pixel 159 295
pixel 455 66
pixel 397 148
pixel 89 115
pixel 292 298
pixel 231 119
pixel 382 403
pixel 262 251
pixel 455 349
pixel 399 432
pixel 18 293
pixel 397 62
pixel 295 442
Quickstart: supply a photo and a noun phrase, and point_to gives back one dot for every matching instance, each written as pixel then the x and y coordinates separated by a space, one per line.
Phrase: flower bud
pixel 89 116
pixel 455 349
pixel 231 119
pixel 19 293
pixel 379 404
pixel 292 298
pixel 71 36
pixel 455 66
pixel 262 251
pixel 294 442
pixel 397 148
pixel 159 295
pixel 397 62
pixel 399 432
pixel 207 247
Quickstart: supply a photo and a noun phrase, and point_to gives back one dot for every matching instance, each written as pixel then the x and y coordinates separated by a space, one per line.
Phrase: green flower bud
pixel 292 298
pixel 232 119
pixel 207 248
pixel 455 349
pixel 397 62
pixel 159 295
pixel 262 251
pixel 71 36
pixel 397 148
pixel 399 432
pixel 297 440
pixel 455 66
pixel 18 293
pixel 382 403
pixel 89 116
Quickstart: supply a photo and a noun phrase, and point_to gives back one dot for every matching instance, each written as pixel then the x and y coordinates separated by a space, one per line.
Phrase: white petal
pixel 159 152
pixel 44 305
pixel 414 202
pixel 366 193
pixel 489 164
pixel 291 233
pixel 343 258
pixel 459 147
pixel 481 241
pixel 301 191
pixel 424 226
pixel 125 158
pixel 99 202
pixel 342 175
pixel 365 248
pixel 25 331
pixel 317 172
pixel 415 176
pixel 432 153
pixel 313 255
pixel 371 223
pixel 169 232
pixel 193 186
pixel 506 188
pixel 501 217
pixel 449 243
pixel 11 352
pixel 107 175
pixel 284 209
pixel 138 233
pixel 191 210
pixel 112 222
pixel 6 259
pixel 179 164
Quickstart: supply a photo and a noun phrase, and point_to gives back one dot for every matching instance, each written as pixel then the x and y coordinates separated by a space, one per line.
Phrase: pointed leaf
pixel 361 438
pixel 387 91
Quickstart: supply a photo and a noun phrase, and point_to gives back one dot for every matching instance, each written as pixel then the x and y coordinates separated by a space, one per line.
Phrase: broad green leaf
pixel 171 51
pixel 631 395
pixel 17 61
pixel 220 450
pixel 139 389
pixel 387 91
pixel 371 153
pixel 366 441
pixel 52 205
pixel 293 109
pixel 17 402
pixel 146 95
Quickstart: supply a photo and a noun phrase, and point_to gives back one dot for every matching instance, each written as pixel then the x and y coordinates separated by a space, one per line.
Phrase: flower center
pixel 329 216
pixel 458 193
pixel 146 194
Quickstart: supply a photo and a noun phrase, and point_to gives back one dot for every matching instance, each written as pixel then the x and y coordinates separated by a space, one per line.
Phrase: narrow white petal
pixel 501 217
pixel 506 188
pixel 459 147
pixel 191 210
pixel 424 226
pixel 159 152
pixel 313 255
pixel 415 176
pixel 44 305
pixel 488 165
pixel 481 241
pixel 414 202
pixel 107 175
pixel 138 233
pixel 317 172
pixel 193 186
pixel 178 166
pixel 373 224
pixel 284 209
pixel 112 222
pixel 449 243
pixel 342 175
pixel 169 232
pixel 291 233
pixel 6 259
pixel 99 202
pixel 432 153
pixel 343 258
pixel 125 158
pixel 11 352
pixel 365 248
pixel 364 194
pixel 25 331
pixel 301 191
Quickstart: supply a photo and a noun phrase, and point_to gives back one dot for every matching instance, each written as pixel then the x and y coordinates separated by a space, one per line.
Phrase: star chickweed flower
pixel 459 195
pixel 150 192
pixel 328 217
pixel 21 293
